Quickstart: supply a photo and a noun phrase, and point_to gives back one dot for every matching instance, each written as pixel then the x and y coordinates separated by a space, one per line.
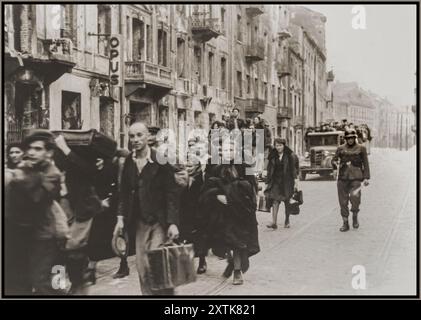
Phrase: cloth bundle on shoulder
pixel 89 144
pixel 171 265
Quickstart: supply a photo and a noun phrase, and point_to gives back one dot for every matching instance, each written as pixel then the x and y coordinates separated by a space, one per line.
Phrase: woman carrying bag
pixel 281 180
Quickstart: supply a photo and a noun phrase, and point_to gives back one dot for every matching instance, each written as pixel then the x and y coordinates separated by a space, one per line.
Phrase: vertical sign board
pixel 116 66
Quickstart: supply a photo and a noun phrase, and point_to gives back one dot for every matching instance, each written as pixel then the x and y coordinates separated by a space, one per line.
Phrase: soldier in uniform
pixel 353 170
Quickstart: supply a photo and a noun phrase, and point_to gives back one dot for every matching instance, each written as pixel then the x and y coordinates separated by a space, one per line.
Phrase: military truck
pixel 320 148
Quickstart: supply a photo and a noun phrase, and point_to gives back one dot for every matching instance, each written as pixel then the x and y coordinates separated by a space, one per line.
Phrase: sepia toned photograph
pixel 210 149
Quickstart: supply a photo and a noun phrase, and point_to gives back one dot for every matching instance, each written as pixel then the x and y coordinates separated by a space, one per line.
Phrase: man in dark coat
pixel 31 245
pixel 84 204
pixel 353 169
pixel 148 202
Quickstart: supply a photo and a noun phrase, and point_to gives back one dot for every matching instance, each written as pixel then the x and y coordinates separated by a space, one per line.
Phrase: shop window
pixel 106 115
pixel 71 110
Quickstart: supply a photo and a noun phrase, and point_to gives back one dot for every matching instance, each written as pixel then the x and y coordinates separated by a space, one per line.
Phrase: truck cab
pixel 320 149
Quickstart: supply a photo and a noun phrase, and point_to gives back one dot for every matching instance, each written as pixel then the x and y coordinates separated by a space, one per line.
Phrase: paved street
pixel 313 257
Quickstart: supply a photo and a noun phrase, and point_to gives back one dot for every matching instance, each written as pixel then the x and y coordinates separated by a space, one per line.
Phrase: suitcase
pixel 262 205
pixel 89 143
pixel 171 266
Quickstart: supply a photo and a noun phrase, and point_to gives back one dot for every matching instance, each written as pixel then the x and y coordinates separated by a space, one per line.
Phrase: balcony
pixel 284 34
pixel 298 121
pixel 255 10
pixel 59 50
pixel 285 113
pixel 146 75
pixel 255 52
pixel 253 105
pixel 283 69
pixel 203 27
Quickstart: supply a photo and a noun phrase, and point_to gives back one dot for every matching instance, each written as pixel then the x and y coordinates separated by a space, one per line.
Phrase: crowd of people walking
pixel 64 208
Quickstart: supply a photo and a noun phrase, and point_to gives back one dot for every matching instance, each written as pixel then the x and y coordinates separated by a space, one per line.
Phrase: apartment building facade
pixel 77 66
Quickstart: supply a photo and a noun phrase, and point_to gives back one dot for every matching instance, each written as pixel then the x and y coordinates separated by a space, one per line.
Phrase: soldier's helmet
pixel 350 133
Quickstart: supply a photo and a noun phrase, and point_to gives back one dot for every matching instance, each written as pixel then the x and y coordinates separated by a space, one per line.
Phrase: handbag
pixel 171 265
pixel 293 208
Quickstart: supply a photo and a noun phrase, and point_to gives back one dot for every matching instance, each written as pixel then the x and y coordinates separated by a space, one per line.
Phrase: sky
pixel 382 57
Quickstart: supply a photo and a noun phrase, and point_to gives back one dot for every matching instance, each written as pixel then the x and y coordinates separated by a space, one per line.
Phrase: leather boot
pixel 229 269
pixel 345 226
pixel 355 223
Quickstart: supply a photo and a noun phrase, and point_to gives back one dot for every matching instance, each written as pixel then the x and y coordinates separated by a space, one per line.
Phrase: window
pixel 162 47
pixel 265 91
pixel 279 96
pixel 181 56
pixel 223 20
pixel 239 84
pixel 256 88
pixel 239 28
pixel 138 43
pixel 104 27
pixel 248 84
pixel 273 95
pixel 149 43
pixel 71 110
pixel 284 97
pixel 210 68
pixel 223 73
pixel 197 64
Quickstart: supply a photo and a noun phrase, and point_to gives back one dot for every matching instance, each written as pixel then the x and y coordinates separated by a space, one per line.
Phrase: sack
pixel 90 144
pixel 62 230
pixel 171 266
pixel 79 234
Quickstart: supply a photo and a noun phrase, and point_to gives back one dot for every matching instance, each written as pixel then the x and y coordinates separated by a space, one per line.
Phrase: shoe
pixel 355 223
pixel 286 225
pixel 122 272
pixel 238 278
pixel 272 226
pixel 229 269
pixel 202 268
pixel 345 227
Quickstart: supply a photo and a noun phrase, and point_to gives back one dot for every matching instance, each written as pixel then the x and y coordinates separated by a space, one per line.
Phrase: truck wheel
pixel 302 176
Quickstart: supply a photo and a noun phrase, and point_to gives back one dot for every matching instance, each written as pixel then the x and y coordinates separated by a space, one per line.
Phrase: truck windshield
pixel 323 141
